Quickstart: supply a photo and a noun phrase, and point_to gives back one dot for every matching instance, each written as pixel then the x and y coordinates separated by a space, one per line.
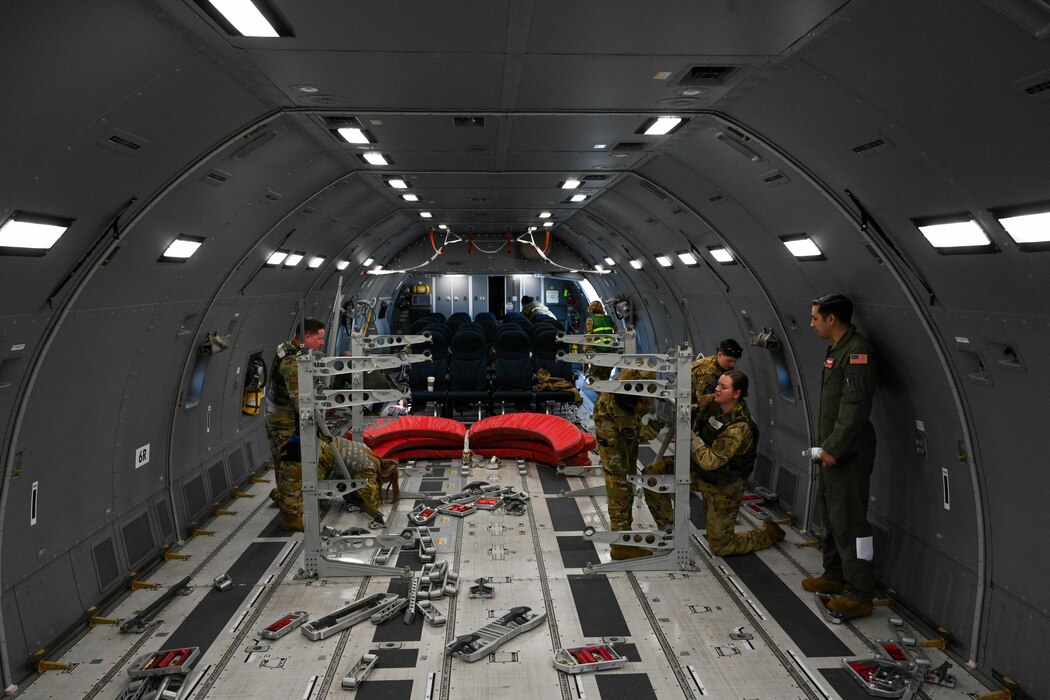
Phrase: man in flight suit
pixel 847 438
pixel 618 428
pixel 724 445
pixel 706 371
pixel 282 425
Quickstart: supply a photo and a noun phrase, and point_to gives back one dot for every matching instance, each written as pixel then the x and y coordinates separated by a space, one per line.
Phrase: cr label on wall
pixel 142 456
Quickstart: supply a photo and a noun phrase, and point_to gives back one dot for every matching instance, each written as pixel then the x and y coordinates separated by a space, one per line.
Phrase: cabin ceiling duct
pixel 122 142
pixel 706 75
pixel 1035 88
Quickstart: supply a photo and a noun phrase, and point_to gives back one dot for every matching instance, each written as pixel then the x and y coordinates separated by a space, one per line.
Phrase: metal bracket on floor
pixel 346 616
pixel 479 644
pixel 592 470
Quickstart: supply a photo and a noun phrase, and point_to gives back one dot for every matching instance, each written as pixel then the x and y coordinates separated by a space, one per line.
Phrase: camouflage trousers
pixel 618 464
pixel 721 507
pixel 288 473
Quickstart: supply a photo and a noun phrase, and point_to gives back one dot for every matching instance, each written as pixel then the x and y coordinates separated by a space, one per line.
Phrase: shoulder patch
pixel 858 359
pixel 829 362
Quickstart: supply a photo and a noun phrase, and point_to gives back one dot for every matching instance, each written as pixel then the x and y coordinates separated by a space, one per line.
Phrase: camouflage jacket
pixel 847 388
pixel 615 427
pixel 724 445
pixel 704 375
pixel 282 391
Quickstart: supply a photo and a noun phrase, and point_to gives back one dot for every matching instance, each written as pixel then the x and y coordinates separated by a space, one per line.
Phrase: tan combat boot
pixel 848 607
pixel 626 551
pixel 776 533
pixel 293 523
pixel 821 584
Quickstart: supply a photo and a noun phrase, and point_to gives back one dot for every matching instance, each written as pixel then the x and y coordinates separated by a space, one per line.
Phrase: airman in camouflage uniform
pixel 724 446
pixel 706 371
pixel 282 426
pixel 618 428
pixel 362 462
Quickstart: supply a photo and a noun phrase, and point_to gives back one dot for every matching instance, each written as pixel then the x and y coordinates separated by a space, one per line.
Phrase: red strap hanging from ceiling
pixel 547 245
pixel 510 241
pixel 470 240
pixel 433 244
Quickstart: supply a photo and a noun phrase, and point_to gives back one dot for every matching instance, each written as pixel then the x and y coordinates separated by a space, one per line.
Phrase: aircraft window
pixel 787 390
pixel 193 393
pixel 31 234
pixel 1029 227
pixel 957 233
pixel 803 247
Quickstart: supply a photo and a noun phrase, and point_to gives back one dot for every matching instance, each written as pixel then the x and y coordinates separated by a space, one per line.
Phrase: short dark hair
pixel 312 325
pixel 834 303
pixel 527 300
pixel 731 348
pixel 739 380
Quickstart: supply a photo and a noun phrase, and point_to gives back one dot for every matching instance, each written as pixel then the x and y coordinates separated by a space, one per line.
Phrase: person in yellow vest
pixel 598 323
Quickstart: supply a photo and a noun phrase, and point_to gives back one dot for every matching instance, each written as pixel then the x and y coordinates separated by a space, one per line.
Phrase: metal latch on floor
pixel 902 667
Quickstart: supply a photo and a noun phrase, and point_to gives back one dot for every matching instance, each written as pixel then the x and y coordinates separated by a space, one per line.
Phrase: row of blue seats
pixel 461 372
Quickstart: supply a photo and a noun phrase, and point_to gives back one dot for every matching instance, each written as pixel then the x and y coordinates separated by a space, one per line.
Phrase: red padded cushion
pixel 422 453
pixel 589 442
pixel 444 430
pixel 540 458
pixel 557 435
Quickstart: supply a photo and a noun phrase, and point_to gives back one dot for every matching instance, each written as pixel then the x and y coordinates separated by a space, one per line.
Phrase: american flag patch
pixel 860 359
pixel 829 362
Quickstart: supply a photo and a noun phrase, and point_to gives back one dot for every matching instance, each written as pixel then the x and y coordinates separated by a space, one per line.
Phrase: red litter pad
pixel 553 435
pixel 444 431
pixel 423 453
pixel 392 448
pixel 589 442
pixel 541 458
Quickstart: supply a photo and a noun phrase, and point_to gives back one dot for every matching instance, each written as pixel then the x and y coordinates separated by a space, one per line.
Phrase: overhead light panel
pixel 661 126
pixel 577 198
pixel 599 146
pixel 548 224
pixel 242 16
pixel 545 215
pixel 425 214
pixel 294 259
pixel 955 234
pixel 354 135
pixel 636 264
pixel 277 257
pixel 181 249
pixel 1030 228
pixel 610 261
pixel 599 268
pixel 369 262
pixel 443 227
pixel 688 259
pixel 722 255
pixel 315 263
pixel 570 184
pixel 342 264
pixel 803 247
pixel 375 158
pixel 664 261
pixel 31 234
pixel 410 198
pixel 397 184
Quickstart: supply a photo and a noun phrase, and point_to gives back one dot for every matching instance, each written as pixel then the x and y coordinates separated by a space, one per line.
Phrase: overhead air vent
pixel 477 149
pixel 323 100
pixel 270 198
pixel 307 211
pixel 677 210
pixel 707 75
pixel 715 197
pixel 651 221
pixel 468 121
pixel 453 263
pixel 479 200
pixel 1035 88
pixel 629 146
pixel 215 177
pixel 332 221
pixel 123 142
pixel 654 190
pixel 253 141
pixel 876 143
pixel 595 178
pixel 775 178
